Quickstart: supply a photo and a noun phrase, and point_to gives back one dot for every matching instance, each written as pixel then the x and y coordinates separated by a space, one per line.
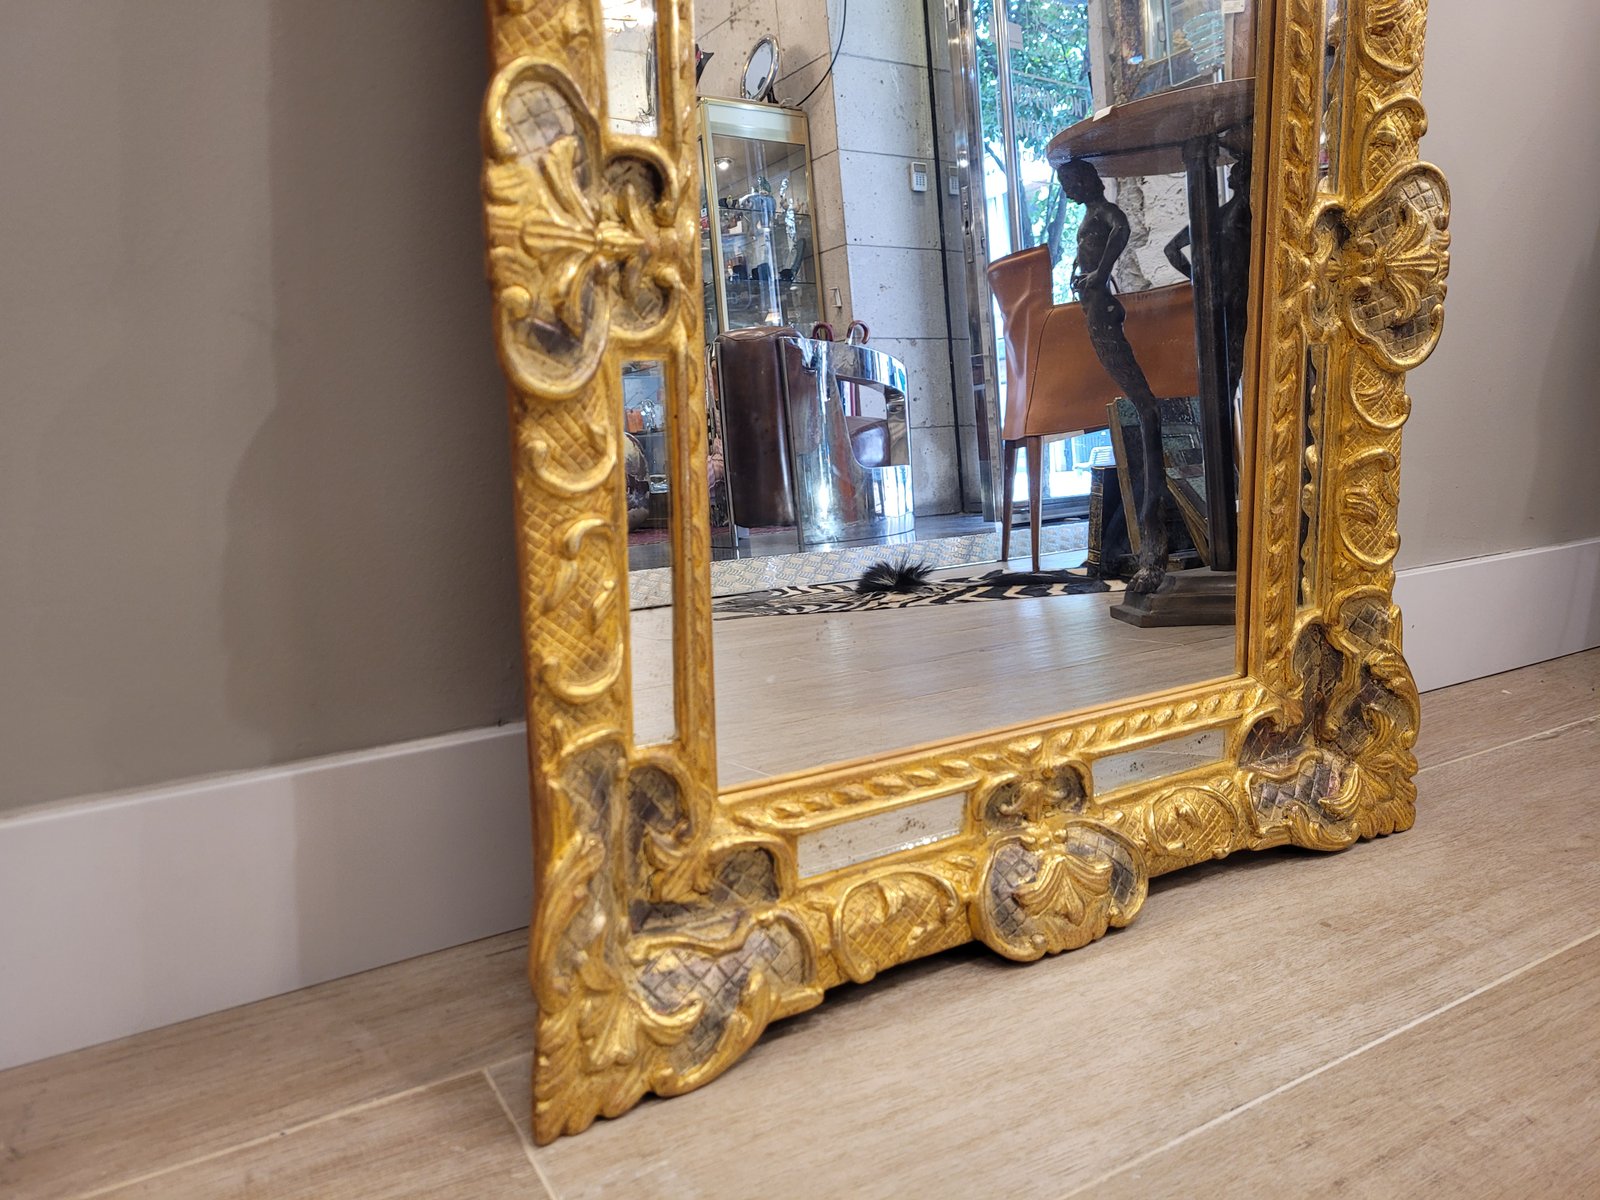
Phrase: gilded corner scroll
pixel 671 925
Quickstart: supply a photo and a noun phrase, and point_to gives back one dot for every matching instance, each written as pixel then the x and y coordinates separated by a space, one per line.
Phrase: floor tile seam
pixel 509 1059
pixel 1591 719
pixel 521 1134
pixel 1238 1110
pixel 286 1131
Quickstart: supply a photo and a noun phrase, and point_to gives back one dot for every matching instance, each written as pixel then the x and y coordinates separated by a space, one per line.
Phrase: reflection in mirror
pixel 901 553
pixel 1313 405
pixel 1166 757
pixel 761 71
pixel 1333 80
pixel 646 468
pixel 631 88
pixel 852 842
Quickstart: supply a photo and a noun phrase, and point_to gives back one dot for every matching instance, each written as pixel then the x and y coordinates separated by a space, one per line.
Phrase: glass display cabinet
pixel 757 240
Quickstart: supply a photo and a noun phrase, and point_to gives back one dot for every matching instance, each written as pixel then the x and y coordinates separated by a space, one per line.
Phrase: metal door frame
pixel 967 139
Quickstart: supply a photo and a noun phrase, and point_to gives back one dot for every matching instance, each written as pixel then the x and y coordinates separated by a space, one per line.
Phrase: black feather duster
pixel 906 576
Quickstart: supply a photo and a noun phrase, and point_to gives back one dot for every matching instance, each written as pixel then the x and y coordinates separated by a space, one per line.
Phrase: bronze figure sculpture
pixel 1233 262
pixel 1102 237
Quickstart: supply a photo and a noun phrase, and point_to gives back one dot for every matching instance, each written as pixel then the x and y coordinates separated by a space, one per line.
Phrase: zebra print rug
pixel 843 597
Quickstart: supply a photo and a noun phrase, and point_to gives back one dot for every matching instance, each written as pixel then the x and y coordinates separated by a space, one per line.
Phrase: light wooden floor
pixel 1418 1016
pixel 798 692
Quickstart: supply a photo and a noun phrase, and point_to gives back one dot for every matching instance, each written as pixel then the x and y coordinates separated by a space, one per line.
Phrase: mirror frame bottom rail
pixel 672 925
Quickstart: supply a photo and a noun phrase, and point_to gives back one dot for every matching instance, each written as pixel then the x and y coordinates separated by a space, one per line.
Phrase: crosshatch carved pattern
pixel 671 924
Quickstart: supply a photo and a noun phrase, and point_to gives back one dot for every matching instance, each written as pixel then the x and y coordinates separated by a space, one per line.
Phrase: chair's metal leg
pixel 1007 507
pixel 1035 492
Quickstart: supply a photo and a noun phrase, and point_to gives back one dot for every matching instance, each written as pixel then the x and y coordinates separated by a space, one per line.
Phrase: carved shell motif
pixel 1380 267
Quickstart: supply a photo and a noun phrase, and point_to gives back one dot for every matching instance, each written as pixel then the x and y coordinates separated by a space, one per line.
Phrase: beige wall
pixel 254 498
pixel 1503 448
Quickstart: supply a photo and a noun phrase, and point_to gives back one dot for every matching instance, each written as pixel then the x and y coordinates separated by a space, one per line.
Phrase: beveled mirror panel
pixel 952 488
pixel 881 575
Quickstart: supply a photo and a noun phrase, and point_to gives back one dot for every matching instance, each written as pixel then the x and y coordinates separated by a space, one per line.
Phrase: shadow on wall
pixel 369 588
pixel 1570 362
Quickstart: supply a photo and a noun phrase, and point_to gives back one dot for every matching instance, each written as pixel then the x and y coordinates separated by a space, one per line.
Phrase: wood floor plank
pixel 122 1109
pixel 964 1075
pixel 1497 1097
pixel 448 1140
pixel 1502 708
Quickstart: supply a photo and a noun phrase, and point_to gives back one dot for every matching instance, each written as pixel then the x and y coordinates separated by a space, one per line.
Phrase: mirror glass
pixel 645 423
pixel 1314 389
pixel 976 297
pixel 1333 77
pixel 760 68
pixel 631 87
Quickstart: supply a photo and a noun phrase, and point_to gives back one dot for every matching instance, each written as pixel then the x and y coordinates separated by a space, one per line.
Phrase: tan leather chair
pixel 1054 381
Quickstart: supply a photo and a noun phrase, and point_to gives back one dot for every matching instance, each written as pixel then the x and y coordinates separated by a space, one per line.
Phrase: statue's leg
pixel 1236 315
pixel 1103 313
pixel 1152 524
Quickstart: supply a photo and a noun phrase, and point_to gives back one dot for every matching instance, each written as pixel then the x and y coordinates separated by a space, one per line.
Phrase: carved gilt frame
pixel 672 924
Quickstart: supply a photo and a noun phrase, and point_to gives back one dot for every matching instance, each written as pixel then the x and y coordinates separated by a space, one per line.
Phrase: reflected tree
pixel 1050 91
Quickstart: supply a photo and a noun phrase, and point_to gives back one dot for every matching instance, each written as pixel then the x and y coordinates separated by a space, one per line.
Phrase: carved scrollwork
pixel 1192 823
pixel 1057 887
pixel 1378 396
pixel 1052 880
pixel 1380 267
pixel 1389 140
pixel 570 484
pixel 1389 33
pixel 883 921
pixel 1371 491
pixel 718 994
pixel 665 993
pixel 582 689
pixel 573 540
pixel 1336 764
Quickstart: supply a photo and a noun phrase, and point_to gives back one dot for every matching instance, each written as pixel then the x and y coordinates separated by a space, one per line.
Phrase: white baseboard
pixel 124 913
pixel 1481 616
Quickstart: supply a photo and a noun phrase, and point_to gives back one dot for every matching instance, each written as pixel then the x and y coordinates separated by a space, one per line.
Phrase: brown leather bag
pixel 758 374
pixel 755 432
pixel 1054 381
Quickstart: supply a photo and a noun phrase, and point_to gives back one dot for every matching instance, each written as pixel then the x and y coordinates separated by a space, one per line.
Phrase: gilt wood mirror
pixel 947 495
